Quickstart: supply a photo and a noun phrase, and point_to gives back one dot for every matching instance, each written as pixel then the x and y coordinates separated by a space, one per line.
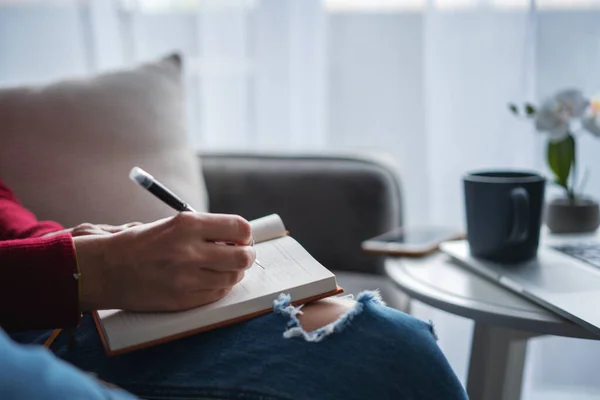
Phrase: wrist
pixel 90 252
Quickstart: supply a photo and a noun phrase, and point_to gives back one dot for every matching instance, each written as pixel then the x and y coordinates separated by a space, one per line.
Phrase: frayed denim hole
pixel 282 306
pixel 370 296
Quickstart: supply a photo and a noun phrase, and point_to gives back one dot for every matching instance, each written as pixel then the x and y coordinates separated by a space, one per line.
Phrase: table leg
pixel 497 363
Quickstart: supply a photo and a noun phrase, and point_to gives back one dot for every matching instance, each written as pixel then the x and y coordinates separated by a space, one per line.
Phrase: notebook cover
pixel 201 329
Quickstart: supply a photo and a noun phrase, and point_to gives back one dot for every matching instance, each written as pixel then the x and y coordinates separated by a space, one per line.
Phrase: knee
pixel 408 347
pixel 407 331
pixel 368 316
pixel 317 314
pixel 389 321
pixel 399 344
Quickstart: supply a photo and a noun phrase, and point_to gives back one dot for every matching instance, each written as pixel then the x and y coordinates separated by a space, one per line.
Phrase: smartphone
pixel 415 241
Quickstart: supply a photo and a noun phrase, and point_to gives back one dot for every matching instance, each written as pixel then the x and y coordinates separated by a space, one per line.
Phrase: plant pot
pixel 572 216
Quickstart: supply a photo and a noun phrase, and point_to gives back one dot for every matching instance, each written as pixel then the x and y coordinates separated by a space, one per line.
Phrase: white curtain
pixel 426 81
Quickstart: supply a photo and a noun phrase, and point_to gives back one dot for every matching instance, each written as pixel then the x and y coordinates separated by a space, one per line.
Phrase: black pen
pixel 148 182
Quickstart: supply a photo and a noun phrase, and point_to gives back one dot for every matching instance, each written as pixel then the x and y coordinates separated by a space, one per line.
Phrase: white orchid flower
pixel 591 120
pixel 556 113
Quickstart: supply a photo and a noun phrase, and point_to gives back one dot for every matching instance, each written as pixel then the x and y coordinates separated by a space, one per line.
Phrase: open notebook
pixel 286 267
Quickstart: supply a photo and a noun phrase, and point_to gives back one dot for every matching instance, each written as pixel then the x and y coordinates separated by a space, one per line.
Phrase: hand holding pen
pixel 159 190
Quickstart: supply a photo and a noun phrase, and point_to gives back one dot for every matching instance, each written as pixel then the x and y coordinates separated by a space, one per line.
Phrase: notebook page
pixel 267 228
pixel 288 268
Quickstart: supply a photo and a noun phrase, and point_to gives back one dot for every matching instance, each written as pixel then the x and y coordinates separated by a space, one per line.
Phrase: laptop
pixel 564 278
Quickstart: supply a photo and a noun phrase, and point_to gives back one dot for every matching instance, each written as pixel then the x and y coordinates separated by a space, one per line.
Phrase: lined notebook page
pixel 288 268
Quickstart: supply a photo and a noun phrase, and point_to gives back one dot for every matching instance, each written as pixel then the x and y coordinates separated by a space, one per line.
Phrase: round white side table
pixel 504 321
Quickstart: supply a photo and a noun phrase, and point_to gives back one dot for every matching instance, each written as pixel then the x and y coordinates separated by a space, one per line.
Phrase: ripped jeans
pixel 371 352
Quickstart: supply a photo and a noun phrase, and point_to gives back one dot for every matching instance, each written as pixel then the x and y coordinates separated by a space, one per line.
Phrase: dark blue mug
pixel 504 214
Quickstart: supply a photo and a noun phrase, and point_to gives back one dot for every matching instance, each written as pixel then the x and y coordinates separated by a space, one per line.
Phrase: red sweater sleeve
pixel 38 288
pixel 17 222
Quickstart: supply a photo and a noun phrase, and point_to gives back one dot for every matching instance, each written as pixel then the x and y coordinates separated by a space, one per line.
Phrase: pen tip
pixel 141 177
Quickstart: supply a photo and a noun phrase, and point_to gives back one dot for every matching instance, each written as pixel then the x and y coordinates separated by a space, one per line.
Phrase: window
pixel 417 5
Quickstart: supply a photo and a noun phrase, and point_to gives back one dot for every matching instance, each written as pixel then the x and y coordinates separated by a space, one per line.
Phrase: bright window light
pixel 334 5
pixel 158 6
pixel 568 4
pixel 450 5
pixel 510 4
pixel 455 4
pixel 40 2
pixel 374 5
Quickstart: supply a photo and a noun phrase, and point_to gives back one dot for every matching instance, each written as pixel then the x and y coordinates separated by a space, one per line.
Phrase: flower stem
pixel 571 192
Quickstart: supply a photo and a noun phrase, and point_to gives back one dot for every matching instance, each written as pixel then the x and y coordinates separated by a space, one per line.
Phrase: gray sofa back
pixel 330 204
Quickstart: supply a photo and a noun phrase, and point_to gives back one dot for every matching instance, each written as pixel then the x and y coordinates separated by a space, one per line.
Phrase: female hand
pixel 93 229
pixel 171 264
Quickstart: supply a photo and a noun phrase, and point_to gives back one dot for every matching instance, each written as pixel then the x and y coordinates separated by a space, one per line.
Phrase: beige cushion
pixel 66 148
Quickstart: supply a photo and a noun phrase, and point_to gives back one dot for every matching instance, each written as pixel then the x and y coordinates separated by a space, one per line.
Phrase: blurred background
pixel 425 81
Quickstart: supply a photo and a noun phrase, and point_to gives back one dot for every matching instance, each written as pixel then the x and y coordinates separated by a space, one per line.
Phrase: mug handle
pixel 520 225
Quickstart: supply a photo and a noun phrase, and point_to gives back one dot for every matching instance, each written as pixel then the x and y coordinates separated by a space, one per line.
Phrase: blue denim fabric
pixel 374 352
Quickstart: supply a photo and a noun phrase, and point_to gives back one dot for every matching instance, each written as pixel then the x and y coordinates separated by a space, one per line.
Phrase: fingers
pixel 219 257
pixel 87 229
pixel 99 229
pixel 175 263
pixel 217 227
pixel 118 228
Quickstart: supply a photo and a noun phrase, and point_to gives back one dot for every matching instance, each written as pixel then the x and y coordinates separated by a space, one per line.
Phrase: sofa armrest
pixel 330 204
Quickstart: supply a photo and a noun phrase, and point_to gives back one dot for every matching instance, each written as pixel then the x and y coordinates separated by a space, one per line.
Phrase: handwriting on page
pixel 281 270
